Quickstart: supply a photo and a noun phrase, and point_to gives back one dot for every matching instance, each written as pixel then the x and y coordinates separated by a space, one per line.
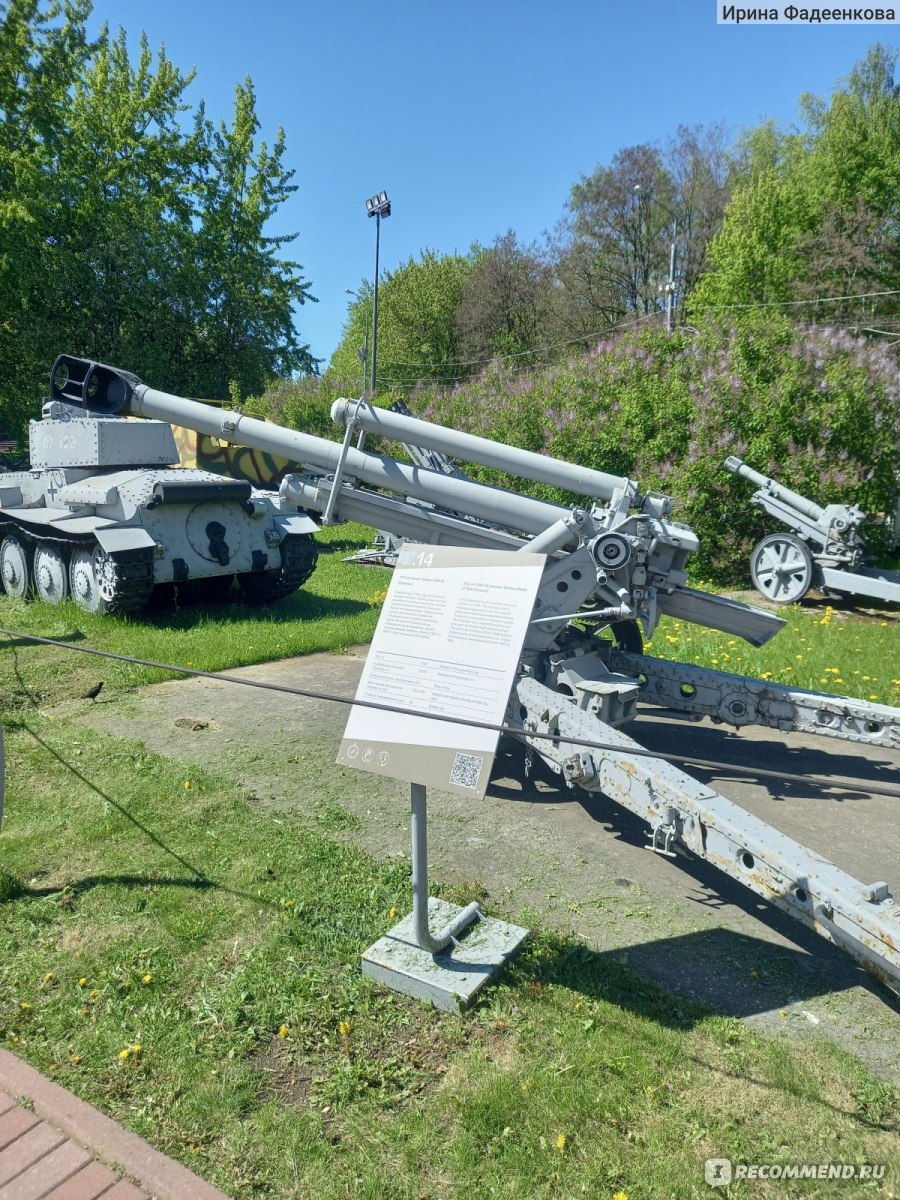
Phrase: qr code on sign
pixel 466 769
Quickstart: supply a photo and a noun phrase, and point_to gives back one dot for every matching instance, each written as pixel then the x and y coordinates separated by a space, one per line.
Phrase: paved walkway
pixel 53 1146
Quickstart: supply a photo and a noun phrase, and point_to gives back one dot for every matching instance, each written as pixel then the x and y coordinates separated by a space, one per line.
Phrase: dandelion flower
pixel 82 982
pixel 49 976
pixel 123 1054
pixel 561 1141
pixel 620 1196
pixel 344 1028
pixel 147 978
pixel 282 1031
pixel 187 785
pixel 25 1006
pixel 392 912
pixel 75 1059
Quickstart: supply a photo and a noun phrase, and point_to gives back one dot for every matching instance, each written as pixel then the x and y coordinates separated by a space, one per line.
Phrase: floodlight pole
pixel 378 206
pixel 363 352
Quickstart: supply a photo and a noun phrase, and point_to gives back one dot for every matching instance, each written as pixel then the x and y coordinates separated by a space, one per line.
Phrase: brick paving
pixel 53 1146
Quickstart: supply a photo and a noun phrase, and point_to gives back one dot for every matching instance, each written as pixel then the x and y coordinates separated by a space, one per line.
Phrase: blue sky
pixel 476 116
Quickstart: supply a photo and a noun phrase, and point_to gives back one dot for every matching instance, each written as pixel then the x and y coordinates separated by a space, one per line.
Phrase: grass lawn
pixel 190 964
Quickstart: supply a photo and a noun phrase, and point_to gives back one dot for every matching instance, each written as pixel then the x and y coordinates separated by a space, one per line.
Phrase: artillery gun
pixel 613 564
pixel 103 515
pixel 823 551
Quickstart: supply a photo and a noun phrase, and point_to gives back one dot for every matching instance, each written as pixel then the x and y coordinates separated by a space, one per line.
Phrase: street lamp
pixel 363 352
pixel 377 206
pixel 671 287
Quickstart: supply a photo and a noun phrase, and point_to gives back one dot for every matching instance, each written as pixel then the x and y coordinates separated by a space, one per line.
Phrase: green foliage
pixel 814 407
pixel 417 337
pixel 128 232
pixel 816 213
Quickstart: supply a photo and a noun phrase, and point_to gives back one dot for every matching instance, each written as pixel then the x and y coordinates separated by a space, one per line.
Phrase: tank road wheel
pixel 15 569
pixel 51 576
pixel 298 560
pixel 102 584
pixel 781 568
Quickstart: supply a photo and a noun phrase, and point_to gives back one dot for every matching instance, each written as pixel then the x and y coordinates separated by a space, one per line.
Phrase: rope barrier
pixel 508 730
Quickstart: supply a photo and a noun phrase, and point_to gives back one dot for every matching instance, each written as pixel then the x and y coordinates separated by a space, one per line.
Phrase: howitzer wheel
pixel 51 576
pixel 782 568
pixel 299 553
pixel 15 567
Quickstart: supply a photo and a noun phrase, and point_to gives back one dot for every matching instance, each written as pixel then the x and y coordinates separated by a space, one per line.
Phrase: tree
pixel 613 250
pixel 504 303
pixel 817 216
pixel 129 232
pixel 245 331
pixel 39 53
pixel 417 338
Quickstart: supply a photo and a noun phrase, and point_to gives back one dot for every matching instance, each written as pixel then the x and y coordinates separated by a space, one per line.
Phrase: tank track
pixel 132 571
pixel 133 582
pixel 299 553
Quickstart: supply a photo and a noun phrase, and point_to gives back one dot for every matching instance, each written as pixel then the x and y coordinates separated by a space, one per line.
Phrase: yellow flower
pixel 25 1006
pixel 147 978
pixel 344 1028
pixel 282 1031
pixel 620 1196
pixel 82 981
pixel 49 976
pixel 75 1059
pixel 561 1141
pixel 123 1054
pixel 287 904
pixel 94 994
pixel 187 784
pixel 392 912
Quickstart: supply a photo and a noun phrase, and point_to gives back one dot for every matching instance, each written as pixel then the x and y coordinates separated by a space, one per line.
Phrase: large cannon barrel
pixel 467 446
pixel 108 390
pixel 793 499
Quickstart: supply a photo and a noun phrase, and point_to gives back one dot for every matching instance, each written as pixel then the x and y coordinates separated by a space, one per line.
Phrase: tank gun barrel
pixel 108 390
pixel 467 446
pixel 775 489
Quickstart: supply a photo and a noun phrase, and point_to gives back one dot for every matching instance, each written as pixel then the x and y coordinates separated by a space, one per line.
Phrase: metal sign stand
pixel 448 968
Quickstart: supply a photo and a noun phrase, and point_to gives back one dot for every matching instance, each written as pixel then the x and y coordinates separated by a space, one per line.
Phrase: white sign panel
pixel 447 645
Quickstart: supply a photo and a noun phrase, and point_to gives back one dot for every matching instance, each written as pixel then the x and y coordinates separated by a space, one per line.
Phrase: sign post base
pixel 452 979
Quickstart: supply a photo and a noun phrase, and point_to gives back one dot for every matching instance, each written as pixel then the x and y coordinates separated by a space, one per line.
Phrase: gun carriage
pixel 824 549
pixel 614 563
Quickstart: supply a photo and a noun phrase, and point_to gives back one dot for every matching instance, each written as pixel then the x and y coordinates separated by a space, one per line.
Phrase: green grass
pixel 190 963
pixel 821 648
pixel 337 608
pixel 149 905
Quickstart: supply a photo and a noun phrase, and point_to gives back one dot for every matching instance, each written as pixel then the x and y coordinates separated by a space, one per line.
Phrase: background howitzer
pixel 823 551
pixel 614 563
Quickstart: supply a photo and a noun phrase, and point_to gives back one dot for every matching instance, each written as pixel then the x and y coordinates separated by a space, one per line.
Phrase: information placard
pixel 447 645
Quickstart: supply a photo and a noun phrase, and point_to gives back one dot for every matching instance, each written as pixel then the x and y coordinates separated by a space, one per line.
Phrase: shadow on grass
pixel 187 613
pixel 11 889
pixel 618 977
pixel 680 980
